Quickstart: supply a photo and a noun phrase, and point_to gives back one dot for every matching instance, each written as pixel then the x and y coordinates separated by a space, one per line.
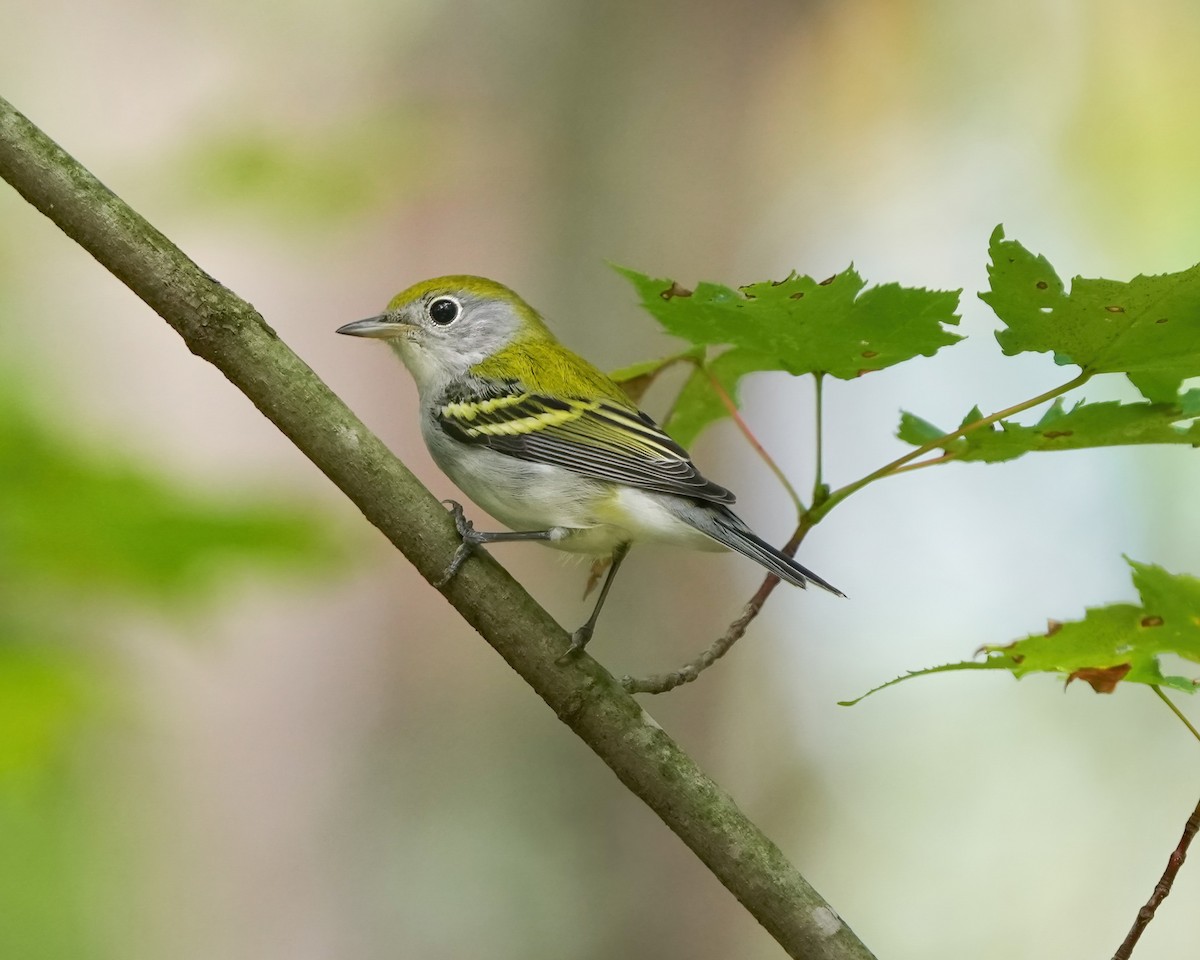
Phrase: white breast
pixel 534 496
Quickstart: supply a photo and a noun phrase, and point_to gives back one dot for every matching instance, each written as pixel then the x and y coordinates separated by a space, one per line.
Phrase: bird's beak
pixel 383 327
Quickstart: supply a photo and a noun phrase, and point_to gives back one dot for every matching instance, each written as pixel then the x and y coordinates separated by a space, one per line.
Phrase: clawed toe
pixel 465 549
pixel 464 526
pixel 579 640
pixel 470 539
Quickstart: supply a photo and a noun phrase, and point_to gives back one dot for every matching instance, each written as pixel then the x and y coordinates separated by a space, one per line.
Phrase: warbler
pixel 545 442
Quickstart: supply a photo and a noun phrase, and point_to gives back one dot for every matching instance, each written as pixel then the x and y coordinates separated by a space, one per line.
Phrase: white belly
pixel 533 496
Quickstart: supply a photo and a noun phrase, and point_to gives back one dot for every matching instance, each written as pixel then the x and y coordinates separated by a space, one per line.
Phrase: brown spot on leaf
pixel 827 281
pixel 865 370
pixel 869 354
pixel 1055 434
pixel 1042 284
pixel 1052 627
pixel 798 295
pixel 675 290
pixel 1161 320
pixel 1152 621
pixel 1115 309
pixel 1101 679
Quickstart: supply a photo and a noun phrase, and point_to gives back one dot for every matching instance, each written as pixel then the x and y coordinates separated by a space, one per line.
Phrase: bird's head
pixel 443 327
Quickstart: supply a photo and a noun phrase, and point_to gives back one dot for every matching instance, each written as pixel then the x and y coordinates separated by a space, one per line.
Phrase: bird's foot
pixel 470 540
pixel 579 640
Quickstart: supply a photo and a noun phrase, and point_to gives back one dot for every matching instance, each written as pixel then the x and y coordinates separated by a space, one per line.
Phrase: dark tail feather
pixel 727 528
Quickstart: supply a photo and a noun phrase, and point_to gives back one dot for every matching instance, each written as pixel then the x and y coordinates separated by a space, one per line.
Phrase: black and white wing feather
pixel 595 438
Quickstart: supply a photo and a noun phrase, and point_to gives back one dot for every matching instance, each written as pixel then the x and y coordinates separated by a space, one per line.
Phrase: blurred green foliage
pixel 316 178
pixel 78 530
pixel 76 522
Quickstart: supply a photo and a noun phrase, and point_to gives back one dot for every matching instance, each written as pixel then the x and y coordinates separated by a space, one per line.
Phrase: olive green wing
pixel 595 438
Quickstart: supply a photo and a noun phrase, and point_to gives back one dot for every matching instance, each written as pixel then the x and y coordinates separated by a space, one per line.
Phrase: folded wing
pixel 595 438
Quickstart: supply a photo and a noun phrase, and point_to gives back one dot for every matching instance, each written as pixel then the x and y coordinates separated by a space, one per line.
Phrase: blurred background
pixel 234 723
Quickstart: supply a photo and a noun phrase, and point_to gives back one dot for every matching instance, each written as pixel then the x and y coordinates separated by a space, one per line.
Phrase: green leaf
pixel 1118 643
pixel 919 432
pixel 1110 644
pixel 1147 328
pixel 1084 425
pixel 804 326
pixel 1172 607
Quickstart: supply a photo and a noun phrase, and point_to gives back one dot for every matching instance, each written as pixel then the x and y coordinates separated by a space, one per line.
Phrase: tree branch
pixel 225 330
pixel 1161 889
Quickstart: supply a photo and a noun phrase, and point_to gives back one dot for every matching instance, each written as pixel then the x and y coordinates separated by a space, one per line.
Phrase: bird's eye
pixel 444 310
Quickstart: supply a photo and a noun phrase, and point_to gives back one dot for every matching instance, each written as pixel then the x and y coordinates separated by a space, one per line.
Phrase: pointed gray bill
pixel 381 327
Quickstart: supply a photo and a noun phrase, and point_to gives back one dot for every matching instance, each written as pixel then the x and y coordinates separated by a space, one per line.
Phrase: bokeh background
pixel 234 723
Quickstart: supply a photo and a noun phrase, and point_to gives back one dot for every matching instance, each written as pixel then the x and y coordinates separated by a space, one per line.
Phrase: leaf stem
pixel 819 490
pixel 931 462
pixel 1174 709
pixel 727 400
pixel 900 463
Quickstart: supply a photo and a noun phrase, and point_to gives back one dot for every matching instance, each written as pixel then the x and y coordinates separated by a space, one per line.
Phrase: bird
pixel 547 443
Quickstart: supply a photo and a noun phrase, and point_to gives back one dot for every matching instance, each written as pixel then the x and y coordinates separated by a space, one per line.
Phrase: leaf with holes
pixel 1119 643
pixel 838 326
pixel 1147 328
pixel 1107 424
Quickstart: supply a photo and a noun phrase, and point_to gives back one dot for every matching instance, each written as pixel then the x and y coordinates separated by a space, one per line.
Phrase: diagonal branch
pixel 225 330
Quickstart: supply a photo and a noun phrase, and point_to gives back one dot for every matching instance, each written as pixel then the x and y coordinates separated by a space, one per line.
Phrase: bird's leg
pixel 580 637
pixel 472 538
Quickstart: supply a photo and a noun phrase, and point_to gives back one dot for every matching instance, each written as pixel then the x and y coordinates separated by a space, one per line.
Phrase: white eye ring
pixel 444 310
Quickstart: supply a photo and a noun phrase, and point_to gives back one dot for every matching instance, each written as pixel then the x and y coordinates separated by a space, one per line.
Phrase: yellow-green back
pixel 545 366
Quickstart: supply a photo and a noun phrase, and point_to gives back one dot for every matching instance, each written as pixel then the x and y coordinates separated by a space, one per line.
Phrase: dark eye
pixel 444 310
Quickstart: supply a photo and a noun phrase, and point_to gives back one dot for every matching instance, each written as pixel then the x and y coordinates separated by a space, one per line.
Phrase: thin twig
pixel 922 464
pixel 727 400
pixel 663 682
pixel 1162 888
pixel 822 504
pixel 896 466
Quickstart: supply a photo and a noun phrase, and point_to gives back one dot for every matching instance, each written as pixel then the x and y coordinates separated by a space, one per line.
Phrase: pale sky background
pixel 337 766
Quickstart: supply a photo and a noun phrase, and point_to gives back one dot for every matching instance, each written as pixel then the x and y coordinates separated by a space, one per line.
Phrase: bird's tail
pixel 727 528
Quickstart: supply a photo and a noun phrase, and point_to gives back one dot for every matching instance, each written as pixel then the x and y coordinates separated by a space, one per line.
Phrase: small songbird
pixel 545 442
